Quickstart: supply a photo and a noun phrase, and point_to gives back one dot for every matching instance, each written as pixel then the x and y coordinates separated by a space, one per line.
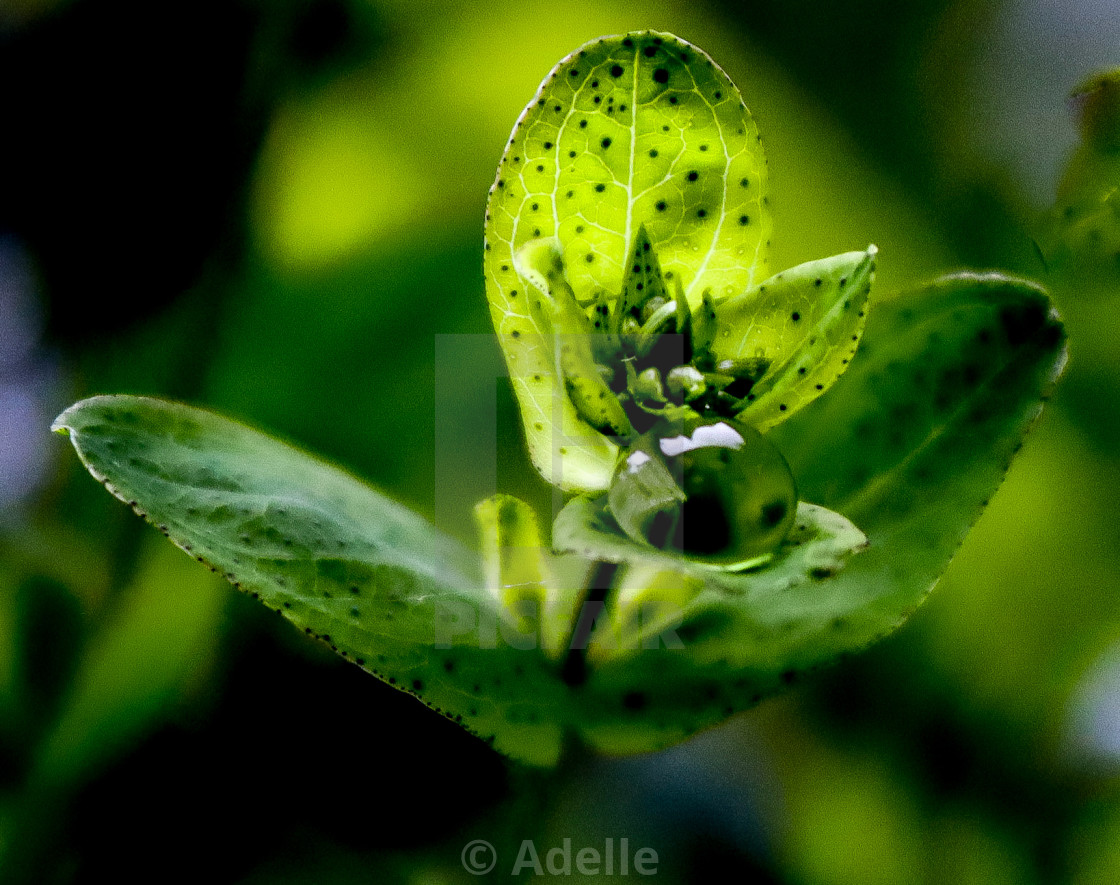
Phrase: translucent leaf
pixel 520 576
pixel 641 129
pixel 804 323
pixel 339 560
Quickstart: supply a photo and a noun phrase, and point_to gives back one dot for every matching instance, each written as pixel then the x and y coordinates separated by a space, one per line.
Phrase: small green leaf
pixel 339 560
pixel 541 264
pixel 520 576
pixel 643 283
pixel 632 130
pixel 567 449
pixel 804 324
pixel 1082 237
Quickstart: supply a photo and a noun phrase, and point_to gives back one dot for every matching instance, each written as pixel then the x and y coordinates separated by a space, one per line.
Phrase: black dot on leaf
pixel 616 71
pixel 795 316
pixel 661 75
pixel 744 220
pixel 692 176
pixel 660 205
pixel 599 188
pixel 606 142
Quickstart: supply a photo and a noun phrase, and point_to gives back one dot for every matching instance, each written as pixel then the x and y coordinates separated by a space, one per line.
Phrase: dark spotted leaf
pixel 804 324
pixel 915 438
pixel 336 558
pixel 627 131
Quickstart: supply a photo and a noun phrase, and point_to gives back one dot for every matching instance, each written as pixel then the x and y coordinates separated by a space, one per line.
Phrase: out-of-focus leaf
pixel 160 636
pixel 1084 230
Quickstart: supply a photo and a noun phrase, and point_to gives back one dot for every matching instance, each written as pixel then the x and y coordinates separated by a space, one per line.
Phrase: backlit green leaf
pixel 804 323
pixel 520 575
pixel 633 130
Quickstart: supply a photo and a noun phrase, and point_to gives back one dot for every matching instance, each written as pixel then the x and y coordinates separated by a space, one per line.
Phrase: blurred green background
pixel 275 209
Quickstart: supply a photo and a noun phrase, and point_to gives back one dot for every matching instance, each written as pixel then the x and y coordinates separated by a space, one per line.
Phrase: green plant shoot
pixel 766 472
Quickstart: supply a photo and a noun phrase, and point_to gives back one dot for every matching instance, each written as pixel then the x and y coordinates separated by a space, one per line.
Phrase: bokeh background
pixel 274 208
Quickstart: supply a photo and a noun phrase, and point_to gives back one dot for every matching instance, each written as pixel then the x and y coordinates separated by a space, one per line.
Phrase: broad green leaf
pixel 339 560
pixel 804 323
pixel 915 438
pixel 908 445
pixel 633 130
